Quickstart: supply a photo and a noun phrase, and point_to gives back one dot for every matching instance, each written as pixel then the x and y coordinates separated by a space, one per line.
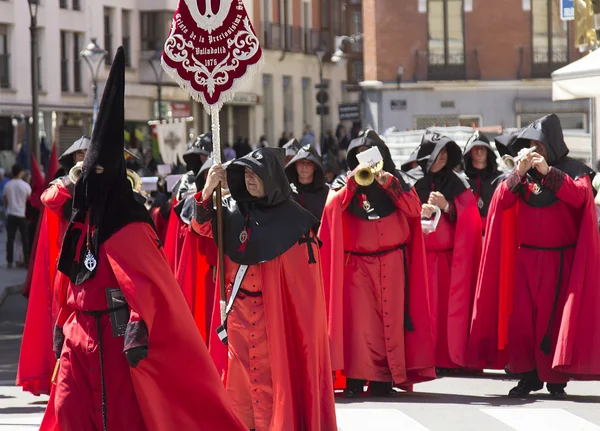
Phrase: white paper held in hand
pixel 370 157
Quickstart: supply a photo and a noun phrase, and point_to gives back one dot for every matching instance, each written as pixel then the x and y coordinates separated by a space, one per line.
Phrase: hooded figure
pixel 453 250
pixel 482 171
pixel 291 149
pixel 121 328
pixel 375 278
pixel 278 349
pixel 306 174
pixel 537 297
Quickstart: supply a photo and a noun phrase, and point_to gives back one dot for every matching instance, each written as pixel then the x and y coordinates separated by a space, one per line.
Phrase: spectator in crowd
pixel 3 181
pixel 241 147
pixel 285 138
pixel 229 152
pixel 16 192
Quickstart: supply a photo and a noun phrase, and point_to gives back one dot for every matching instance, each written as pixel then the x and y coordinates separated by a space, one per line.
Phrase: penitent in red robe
pixel 366 295
pixel 47 287
pixel 278 371
pixel 175 388
pixel 174 238
pixel 575 332
pixel 453 253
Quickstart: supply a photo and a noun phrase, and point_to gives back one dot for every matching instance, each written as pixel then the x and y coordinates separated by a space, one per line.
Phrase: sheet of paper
pixel 164 169
pixel 370 157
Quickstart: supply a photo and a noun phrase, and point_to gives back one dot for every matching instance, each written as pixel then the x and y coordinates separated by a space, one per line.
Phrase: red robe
pixel 366 294
pixel 46 288
pixel 165 390
pixel 160 223
pixel 575 335
pixel 453 253
pixel 196 277
pixel 278 373
pixel 174 238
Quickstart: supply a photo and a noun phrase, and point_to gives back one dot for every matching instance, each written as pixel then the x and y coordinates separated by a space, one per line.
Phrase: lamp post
pixel 322 95
pixel 154 62
pixel 34 148
pixel 94 56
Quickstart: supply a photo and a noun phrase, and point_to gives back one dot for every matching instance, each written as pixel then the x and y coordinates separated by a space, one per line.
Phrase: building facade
pixel 282 98
pixel 465 62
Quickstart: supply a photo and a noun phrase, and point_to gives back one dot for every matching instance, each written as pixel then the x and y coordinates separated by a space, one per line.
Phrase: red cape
pixel 195 277
pixel 174 238
pixel 465 268
pixel 578 347
pixel 176 386
pixel 302 384
pixel 160 223
pixel 420 351
pixel 36 361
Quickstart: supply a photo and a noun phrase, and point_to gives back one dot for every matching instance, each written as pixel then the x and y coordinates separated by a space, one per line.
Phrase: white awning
pixel 578 80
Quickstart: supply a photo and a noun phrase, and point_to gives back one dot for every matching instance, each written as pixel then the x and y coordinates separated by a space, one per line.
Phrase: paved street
pixel 450 404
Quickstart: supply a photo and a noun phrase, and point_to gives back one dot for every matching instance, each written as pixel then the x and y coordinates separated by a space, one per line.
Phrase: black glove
pixel 135 355
pixel 135 344
pixel 58 340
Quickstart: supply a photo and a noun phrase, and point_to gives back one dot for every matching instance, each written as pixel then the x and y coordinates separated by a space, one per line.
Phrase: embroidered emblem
pixel 536 189
pixel 90 261
pixel 306 148
pixel 244 236
pixel 258 156
pixel 366 205
pixel 480 203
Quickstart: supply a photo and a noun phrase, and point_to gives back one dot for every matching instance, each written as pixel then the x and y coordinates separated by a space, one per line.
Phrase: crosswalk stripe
pixel 373 419
pixel 527 419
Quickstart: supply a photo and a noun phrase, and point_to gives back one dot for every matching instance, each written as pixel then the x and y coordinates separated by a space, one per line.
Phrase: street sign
pixel 349 111
pixel 323 110
pixel 398 104
pixel 325 86
pixel 567 10
pixel 322 97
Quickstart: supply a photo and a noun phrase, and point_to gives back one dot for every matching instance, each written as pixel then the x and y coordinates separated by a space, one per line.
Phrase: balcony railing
pixel 4 70
pixel 544 62
pixel 297 39
pixel 451 66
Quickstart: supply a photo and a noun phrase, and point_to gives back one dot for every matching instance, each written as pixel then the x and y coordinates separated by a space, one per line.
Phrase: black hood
pixel 274 223
pixel 66 158
pixel 102 203
pixel 549 132
pixel 291 148
pixel 478 139
pixel 505 142
pixel 307 153
pixel 445 181
pixel 369 139
pixel 267 163
pixel 199 179
pixel 202 146
pixel 431 146
pixel 405 167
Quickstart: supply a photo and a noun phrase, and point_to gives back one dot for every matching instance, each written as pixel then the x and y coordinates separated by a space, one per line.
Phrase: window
pixel 125 26
pixel 108 27
pixel 155 28
pixel 356 73
pixel 4 57
pixel 549 33
pixel 63 4
pixel 568 120
pixel 325 14
pixel 446 37
pixel 76 5
pixel 64 62
pixel 356 28
pixel 306 101
pixel 77 46
pixel 306 25
pixel 268 107
pixel 288 105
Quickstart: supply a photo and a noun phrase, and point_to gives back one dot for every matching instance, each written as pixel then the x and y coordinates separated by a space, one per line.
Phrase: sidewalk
pixel 11 280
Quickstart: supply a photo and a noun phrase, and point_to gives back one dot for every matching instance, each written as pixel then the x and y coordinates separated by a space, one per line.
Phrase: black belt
pixel 546 344
pixel 248 293
pixel 97 315
pixel 408 325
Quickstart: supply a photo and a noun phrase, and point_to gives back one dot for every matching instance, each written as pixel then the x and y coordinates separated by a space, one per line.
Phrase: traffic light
pixel 585 33
pixel 322 99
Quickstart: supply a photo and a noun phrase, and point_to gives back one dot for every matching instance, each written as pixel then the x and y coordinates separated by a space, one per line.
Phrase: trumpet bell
pixel 509 162
pixel 135 180
pixel 365 176
pixel 75 172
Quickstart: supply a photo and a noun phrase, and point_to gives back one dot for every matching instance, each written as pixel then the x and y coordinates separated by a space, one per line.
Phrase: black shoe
pixel 385 393
pixel 523 389
pixel 557 390
pixel 352 393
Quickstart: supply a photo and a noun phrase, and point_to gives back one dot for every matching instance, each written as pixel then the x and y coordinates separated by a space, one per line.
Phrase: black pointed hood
pixel 200 179
pixel 505 142
pixel 66 158
pixel 292 147
pixel 271 225
pixel 445 181
pixel 307 153
pixel 478 139
pixel 369 139
pixel 405 167
pixel 103 202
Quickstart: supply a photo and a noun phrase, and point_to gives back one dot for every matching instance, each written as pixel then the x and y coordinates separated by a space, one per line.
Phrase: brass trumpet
pixel 365 175
pixel 511 162
pixel 75 172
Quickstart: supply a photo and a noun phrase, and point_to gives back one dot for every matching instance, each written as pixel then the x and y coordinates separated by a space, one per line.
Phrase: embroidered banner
pixel 172 141
pixel 211 50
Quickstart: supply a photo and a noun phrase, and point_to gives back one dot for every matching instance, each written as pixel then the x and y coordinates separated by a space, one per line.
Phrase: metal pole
pixel 159 96
pixel 95 101
pixel 33 139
